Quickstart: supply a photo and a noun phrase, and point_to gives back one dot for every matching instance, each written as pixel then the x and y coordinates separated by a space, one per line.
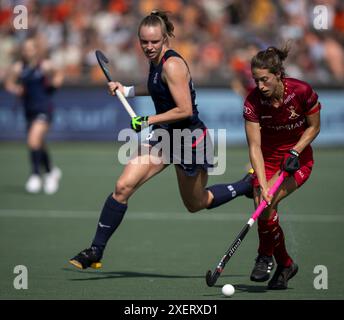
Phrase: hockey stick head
pixel 211 278
pixel 103 63
pixel 208 278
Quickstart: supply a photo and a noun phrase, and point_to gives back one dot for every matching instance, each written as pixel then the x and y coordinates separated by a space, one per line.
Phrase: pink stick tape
pixel 272 191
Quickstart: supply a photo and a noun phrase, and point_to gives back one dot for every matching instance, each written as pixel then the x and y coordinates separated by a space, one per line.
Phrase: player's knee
pixel 267 213
pixel 35 139
pixel 34 143
pixel 123 189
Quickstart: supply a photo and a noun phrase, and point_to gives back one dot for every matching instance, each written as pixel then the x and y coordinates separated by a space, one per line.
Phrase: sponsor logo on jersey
pixel 300 173
pixel 291 126
pixel 288 98
pixel 247 110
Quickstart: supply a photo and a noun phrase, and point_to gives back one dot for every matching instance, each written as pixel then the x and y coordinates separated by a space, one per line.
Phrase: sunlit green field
pixel 160 251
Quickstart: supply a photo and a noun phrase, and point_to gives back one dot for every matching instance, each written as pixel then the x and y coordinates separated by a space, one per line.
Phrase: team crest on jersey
pixel 293 114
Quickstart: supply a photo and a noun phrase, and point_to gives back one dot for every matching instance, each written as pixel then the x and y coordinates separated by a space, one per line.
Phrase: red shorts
pixel 272 165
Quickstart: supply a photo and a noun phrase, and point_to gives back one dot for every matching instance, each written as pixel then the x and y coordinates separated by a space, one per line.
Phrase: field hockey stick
pixel 103 63
pixel 211 277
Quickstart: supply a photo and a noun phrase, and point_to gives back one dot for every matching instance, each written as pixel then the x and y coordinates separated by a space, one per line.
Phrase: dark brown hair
pixel 271 59
pixel 158 17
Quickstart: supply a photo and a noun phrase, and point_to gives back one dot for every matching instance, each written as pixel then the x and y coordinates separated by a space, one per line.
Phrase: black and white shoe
pixel 262 268
pixel 282 275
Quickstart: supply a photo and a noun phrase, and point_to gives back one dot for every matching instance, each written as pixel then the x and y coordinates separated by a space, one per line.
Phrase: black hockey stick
pixel 103 63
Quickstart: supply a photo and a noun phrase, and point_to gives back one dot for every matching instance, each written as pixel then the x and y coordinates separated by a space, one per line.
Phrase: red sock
pixel 271 240
pixel 280 252
pixel 265 233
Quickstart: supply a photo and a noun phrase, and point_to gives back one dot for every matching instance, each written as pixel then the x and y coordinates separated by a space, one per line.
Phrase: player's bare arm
pixel 55 75
pixel 313 121
pixel 11 81
pixel 128 91
pixel 256 157
pixel 176 75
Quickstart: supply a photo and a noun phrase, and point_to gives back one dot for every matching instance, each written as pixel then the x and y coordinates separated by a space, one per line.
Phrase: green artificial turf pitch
pixel 160 250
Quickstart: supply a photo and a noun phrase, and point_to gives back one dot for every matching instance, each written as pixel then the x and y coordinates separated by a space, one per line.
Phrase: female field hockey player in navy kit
pixel 282 118
pixel 34 79
pixel 170 86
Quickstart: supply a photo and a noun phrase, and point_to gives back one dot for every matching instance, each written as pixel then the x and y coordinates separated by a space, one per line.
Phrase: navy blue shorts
pixel 191 150
pixel 30 117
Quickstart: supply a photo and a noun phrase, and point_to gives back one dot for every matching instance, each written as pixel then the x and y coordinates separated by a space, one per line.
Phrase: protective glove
pixel 291 162
pixel 139 123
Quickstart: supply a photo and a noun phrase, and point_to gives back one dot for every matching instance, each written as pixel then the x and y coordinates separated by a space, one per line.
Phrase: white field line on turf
pixel 206 216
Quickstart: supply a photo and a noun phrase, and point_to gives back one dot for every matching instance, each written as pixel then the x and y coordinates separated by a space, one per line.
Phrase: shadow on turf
pixel 13 189
pixel 98 275
pixel 251 288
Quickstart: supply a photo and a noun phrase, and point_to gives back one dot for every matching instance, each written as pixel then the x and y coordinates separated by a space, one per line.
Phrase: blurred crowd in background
pixel 217 38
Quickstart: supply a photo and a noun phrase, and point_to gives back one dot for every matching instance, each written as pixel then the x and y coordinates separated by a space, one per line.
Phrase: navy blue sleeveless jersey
pixel 163 100
pixel 37 93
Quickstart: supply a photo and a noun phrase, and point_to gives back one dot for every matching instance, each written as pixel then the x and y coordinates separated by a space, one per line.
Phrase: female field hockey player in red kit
pixel 171 88
pixel 282 118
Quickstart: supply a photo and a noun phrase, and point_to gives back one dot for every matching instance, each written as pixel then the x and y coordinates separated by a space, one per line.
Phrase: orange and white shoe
pixel 89 257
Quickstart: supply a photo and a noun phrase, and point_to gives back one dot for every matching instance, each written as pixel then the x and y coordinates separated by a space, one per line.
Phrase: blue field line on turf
pixel 218 216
